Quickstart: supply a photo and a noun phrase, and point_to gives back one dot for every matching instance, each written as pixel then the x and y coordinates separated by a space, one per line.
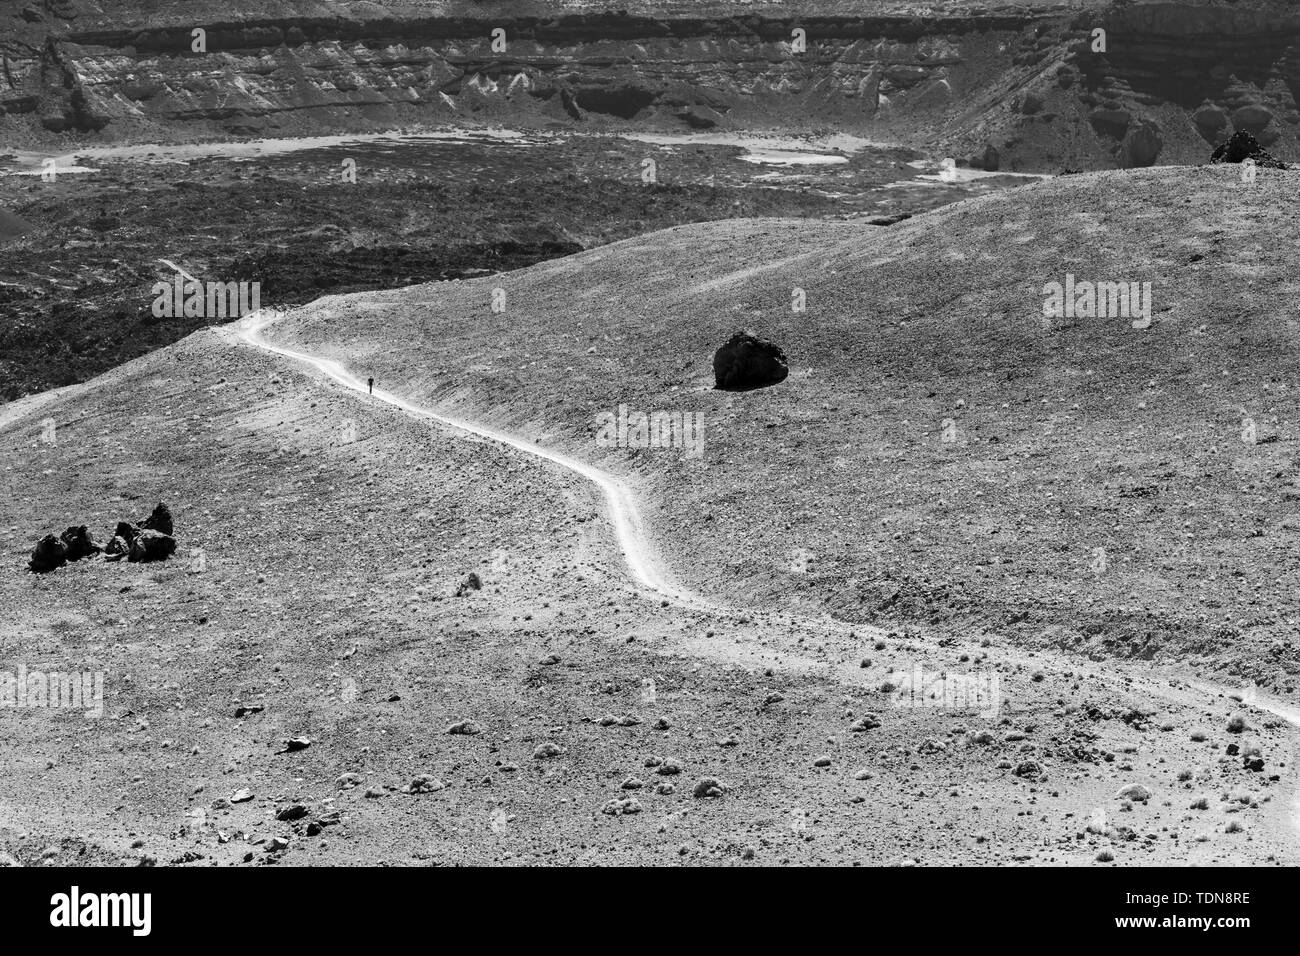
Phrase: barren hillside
pixel 324 536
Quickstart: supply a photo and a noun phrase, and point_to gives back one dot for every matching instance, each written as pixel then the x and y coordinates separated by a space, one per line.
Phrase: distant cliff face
pixel 1020 86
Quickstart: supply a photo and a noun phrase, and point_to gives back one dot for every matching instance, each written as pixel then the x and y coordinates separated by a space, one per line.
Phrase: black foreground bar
pixel 376 906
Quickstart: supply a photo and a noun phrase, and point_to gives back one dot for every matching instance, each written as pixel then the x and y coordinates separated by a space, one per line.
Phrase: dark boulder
pixel 1241 146
pixel 151 545
pixel 126 531
pixel 48 554
pixel 78 543
pixel 160 519
pixel 746 362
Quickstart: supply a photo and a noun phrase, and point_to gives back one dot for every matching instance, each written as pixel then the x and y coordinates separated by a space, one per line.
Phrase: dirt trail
pixel 642 561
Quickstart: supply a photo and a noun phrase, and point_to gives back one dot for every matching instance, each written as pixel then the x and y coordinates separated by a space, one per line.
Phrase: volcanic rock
pixel 151 545
pixel 748 362
pixel 79 543
pixel 160 519
pixel 126 531
pixel 48 554
pixel 1241 146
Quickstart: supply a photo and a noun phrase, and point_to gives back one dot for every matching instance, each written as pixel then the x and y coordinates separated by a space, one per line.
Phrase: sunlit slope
pixel 1099 485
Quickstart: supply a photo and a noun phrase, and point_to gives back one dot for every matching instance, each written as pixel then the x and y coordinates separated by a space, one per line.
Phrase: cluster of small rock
pixel 149 540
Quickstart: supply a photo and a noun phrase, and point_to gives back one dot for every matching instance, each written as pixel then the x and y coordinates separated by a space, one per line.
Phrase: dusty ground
pixel 335 531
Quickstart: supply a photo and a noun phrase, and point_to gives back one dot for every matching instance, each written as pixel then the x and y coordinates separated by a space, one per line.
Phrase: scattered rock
pixel 708 787
pixel 348 780
pixel 620 806
pixel 295 812
pixel 633 783
pixel 547 750
pixel 295 743
pixel 1135 792
pixel 465 728
pixel 242 795
pixel 471 583
pixel 1253 760
pixel 425 784
pixel 669 767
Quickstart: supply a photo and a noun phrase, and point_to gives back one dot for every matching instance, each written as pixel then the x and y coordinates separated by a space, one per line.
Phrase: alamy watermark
pixel 75 690
pixel 191 299
pixel 920 688
pixel 629 428
pixel 1098 300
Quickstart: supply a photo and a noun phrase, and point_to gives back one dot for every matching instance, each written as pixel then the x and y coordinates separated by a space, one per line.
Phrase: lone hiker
pixel 371 383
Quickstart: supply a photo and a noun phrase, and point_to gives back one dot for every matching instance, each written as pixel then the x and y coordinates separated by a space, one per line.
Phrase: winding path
pixel 642 561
